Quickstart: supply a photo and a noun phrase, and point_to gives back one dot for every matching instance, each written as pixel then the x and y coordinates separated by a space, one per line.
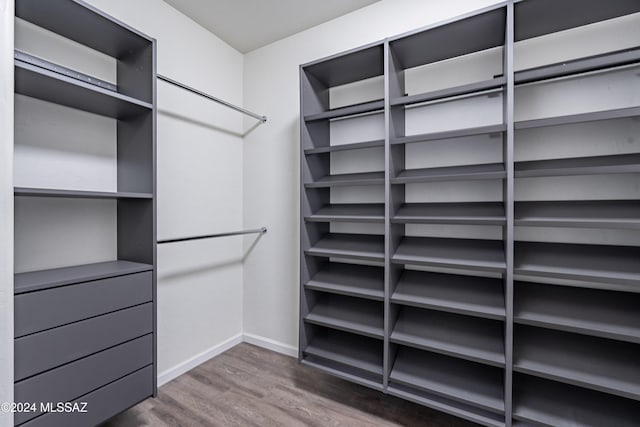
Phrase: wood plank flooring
pixel 251 386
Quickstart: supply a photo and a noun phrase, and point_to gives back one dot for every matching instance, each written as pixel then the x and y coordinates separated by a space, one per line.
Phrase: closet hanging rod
pixel 263 119
pixel 261 230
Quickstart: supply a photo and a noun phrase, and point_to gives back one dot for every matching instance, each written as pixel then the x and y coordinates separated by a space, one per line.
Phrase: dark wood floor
pixel 251 386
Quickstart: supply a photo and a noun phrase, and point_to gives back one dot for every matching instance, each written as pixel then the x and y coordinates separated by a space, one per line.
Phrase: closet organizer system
pixel 496 328
pixel 87 332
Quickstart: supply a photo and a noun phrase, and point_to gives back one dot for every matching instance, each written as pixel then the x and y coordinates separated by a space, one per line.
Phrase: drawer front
pixel 46 350
pixel 103 403
pixel 69 382
pixel 38 311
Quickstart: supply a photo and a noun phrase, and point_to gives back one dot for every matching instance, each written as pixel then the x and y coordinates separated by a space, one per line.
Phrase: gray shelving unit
pixel 86 333
pixel 342 328
pixel 559 346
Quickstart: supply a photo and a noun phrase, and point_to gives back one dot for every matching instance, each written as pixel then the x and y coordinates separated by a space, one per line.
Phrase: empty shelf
pixel 349 213
pixel 485 255
pixel 467 382
pixel 478 340
pixel 348 279
pixel 582 65
pixel 612 267
pixel 470 88
pixel 451 213
pixel 457 133
pixel 474 296
pixel 345 372
pixel 445 405
pixel 348 349
pixel 348 314
pixel 366 178
pixel 586 311
pixel 45 279
pixel 451 173
pixel 578 118
pixel 587 214
pixel 350 110
pixel 549 403
pixel 345 147
pixel 75 194
pixel 356 246
pixel 622 163
pixel 603 365
pixel 46 85
pixel 563 15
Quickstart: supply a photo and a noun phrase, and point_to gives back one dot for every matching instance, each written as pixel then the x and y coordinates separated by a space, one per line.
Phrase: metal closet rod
pixel 261 230
pixel 263 119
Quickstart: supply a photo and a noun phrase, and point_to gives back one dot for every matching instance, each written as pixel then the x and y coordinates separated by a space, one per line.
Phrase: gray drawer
pixel 76 379
pixel 46 350
pixel 38 311
pixel 103 403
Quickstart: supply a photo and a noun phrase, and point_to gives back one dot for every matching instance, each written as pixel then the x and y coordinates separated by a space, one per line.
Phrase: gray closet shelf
pixel 456 133
pixel 46 279
pixel 583 214
pixel 468 295
pixel 351 110
pixel 49 86
pixel 594 363
pixel 352 350
pixel 584 311
pixel 477 340
pixel 549 403
pixel 345 147
pixel 481 213
pixel 467 382
pixel 451 173
pixel 352 212
pixel 604 266
pixel 486 255
pixel 466 89
pixel 91 28
pixel 445 405
pixel 602 62
pixel 348 314
pixel 355 246
pixel 596 165
pixel 349 279
pixel 78 194
pixel 579 118
pixel 347 179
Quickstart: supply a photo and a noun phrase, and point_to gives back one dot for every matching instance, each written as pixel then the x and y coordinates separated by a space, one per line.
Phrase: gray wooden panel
pixel 37 311
pixel 76 379
pixel 45 350
pixel 103 403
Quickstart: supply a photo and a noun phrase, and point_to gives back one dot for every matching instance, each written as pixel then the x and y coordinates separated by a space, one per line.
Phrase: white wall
pixel 6 207
pixel 271 152
pixel 199 178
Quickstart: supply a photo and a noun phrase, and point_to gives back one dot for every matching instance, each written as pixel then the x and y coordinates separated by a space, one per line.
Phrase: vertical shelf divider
pixel 509 210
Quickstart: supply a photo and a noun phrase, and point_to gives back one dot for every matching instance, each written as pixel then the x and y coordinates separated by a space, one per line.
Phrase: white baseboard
pixel 189 364
pixel 270 344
